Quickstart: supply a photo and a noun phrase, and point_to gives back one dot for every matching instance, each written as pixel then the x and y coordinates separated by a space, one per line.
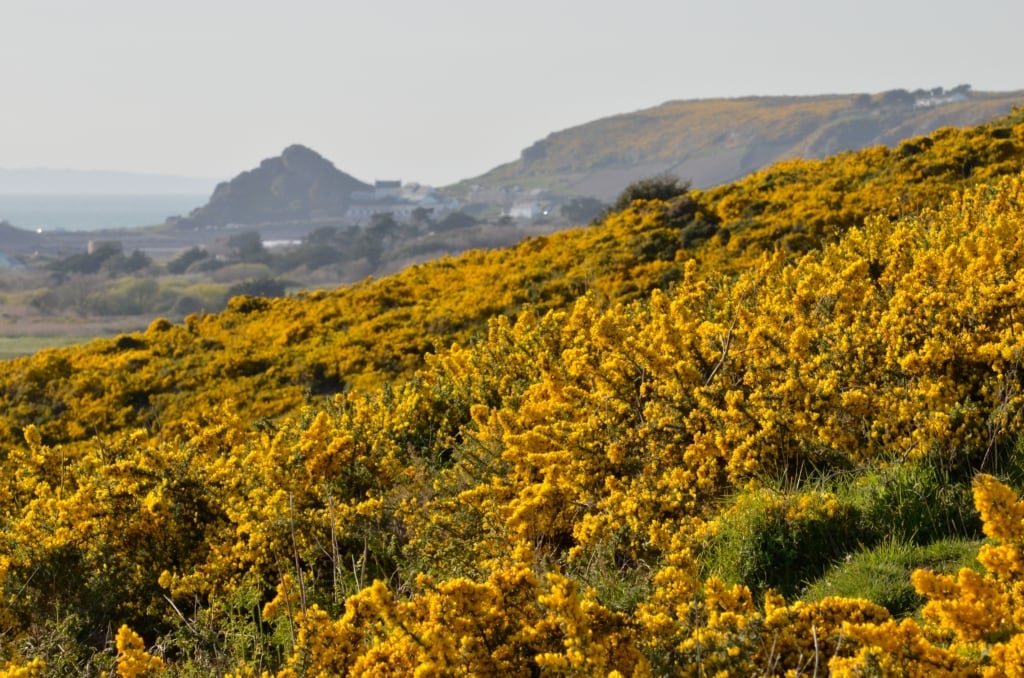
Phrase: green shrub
pixel 917 501
pixel 212 296
pixel 780 540
pixel 128 296
pixel 187 258
pixel 659 187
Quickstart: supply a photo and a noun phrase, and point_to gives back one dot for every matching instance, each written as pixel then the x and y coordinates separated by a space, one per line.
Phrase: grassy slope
pixel 719 140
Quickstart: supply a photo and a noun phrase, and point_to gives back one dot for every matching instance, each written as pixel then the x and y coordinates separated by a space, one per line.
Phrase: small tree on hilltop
pixel 582 210
pixel 658 187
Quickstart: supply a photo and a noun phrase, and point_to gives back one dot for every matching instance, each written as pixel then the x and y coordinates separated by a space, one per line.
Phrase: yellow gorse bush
pixel 544 497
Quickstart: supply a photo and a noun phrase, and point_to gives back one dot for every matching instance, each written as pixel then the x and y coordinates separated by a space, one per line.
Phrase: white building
pixel 398 200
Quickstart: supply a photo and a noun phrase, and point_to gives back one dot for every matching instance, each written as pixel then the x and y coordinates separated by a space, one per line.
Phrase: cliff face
pixel 297 185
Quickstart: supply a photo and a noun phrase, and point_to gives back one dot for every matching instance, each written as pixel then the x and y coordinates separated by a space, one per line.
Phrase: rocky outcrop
pixel 298 185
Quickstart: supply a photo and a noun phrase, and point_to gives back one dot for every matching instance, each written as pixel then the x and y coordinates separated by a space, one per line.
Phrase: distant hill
pixel 13 238
pixel 297 185
pixel 14 241
pixel 715 141
pixel 45 181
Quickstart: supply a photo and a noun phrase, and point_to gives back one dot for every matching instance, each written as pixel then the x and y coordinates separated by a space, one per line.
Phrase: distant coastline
pixel 76 212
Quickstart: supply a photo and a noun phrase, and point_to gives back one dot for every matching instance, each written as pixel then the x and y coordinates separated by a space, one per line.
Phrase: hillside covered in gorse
pixel 772 428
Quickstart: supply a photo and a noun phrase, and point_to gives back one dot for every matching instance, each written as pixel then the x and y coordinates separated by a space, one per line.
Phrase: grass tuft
pixel 882 574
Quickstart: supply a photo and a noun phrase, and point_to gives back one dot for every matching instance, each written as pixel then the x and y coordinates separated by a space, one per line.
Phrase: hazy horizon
pixel 93 211
pixel 437 93
pixel 41 181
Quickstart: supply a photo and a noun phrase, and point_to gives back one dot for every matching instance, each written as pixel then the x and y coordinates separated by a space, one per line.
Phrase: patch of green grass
pixel 917 501
pixel 13 347
pixel 792 532
pixel 882 574
pixel 620 583
pixel 771 539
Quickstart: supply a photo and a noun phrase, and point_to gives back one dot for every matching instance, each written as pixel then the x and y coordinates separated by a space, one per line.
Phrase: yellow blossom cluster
pixel 132 659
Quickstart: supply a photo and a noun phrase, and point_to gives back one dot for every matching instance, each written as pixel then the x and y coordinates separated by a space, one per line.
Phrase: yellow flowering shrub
pixel 549 490
pixel 895 648
pixel 693 628
pixel 983 614
pixel 513 623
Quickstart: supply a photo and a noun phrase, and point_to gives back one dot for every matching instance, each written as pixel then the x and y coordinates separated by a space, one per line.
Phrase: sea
pixel 94 212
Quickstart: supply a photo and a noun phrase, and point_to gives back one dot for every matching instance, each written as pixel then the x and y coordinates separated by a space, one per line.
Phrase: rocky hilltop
pixel 298 185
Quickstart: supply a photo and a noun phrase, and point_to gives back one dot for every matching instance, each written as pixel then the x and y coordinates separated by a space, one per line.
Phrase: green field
pixel 12 347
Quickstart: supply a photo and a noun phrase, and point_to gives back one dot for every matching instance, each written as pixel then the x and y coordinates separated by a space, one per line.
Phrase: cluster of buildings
pixel 415 203
pixel 939 97
pixel 406 203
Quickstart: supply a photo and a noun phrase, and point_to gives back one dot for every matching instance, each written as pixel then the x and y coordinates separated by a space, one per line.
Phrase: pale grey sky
pixel 439 91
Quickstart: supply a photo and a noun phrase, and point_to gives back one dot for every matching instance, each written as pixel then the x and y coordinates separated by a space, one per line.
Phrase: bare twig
pixel 726 344
pixel 295 552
